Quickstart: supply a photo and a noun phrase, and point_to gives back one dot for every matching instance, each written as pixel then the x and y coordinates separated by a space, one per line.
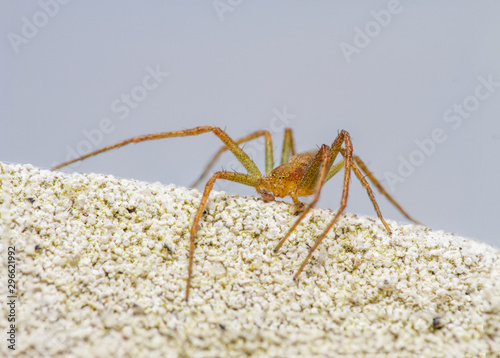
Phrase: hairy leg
pixel 236 177
pixel 336 168
pixel 343 137
pixel 381 189
pixel 320 166
pixel 288 146
pixel 370 194
pixel 359 164
pixel 269 164
pixel 230 144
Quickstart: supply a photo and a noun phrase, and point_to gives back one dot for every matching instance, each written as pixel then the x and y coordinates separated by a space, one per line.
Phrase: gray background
pixel 236 64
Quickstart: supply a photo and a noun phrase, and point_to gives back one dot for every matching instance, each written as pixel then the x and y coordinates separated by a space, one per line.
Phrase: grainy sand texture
pixel 101 269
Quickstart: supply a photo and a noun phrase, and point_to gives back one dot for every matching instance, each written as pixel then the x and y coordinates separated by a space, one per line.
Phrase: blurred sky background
pixel 416 84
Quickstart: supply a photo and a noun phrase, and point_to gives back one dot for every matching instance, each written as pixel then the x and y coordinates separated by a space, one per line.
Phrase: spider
pixel 301 174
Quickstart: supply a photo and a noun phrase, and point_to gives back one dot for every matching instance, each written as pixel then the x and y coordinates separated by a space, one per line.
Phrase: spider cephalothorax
pixel 281 181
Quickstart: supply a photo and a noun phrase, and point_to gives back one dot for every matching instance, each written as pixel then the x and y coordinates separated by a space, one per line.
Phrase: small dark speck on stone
pixel 437 322
pixel 168 248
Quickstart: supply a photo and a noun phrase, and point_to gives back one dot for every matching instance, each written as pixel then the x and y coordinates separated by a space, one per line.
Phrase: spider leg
pixel 247 179
pixel 288 146
pixel 249 165
pixel 343 137
pixel 315 176
pixel 359 164
pixel 334 170
pixel 236 177
pixel 370 194
pixel 348 164
pixel 269 164
pixel 380 188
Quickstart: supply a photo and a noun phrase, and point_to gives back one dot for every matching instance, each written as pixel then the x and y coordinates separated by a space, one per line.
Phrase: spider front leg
pixel 288 149
pixel 230 144
pixel 348 165
pixel 313 178
pixel 268 151
pixel 248 179
pixel 235 177
pixel 343 137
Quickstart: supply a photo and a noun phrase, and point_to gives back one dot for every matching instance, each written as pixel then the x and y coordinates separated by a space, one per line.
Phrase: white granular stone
pixel 102 267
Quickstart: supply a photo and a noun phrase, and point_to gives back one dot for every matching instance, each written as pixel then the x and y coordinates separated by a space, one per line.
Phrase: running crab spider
pixel 302 174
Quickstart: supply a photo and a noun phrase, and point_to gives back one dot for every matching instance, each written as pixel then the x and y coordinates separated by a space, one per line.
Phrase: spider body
pixel 298 175
pixel 282 181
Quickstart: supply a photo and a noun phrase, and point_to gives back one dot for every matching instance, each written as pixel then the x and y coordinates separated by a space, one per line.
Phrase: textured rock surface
pixel 102 266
